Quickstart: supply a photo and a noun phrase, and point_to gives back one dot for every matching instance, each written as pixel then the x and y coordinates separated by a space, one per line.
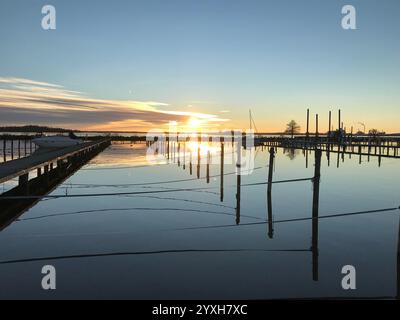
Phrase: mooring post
pixel 179 154
pixel 330 124
pixel 184 154
pixel 308 123
pixel 222 155
pixel 316 125
pixel 270 169
pixel 316 183
pixel 168 148
pixel 238 180
pixel 19 148
pixel 398 264
pixel 208 166
pixel 190 162
pixel 198 156
pixel 12 149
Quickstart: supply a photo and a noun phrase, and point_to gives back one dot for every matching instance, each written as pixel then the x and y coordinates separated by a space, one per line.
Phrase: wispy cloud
pixel 24 101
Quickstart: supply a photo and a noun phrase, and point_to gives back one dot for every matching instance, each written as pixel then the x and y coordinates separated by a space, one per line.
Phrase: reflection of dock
pixel 51 167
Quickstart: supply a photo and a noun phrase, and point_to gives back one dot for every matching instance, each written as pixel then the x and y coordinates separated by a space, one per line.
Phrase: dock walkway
pixel 22 167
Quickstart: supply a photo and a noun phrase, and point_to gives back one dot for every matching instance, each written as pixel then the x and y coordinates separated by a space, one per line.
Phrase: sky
pixel 136 65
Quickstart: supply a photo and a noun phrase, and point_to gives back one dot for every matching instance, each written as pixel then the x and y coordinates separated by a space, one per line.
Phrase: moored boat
pixel 54 142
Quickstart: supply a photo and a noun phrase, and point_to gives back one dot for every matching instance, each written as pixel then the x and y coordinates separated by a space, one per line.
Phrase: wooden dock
pixel 45 160
pixel 57 165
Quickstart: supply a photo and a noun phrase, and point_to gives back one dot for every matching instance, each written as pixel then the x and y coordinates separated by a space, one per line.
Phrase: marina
pixel 207 204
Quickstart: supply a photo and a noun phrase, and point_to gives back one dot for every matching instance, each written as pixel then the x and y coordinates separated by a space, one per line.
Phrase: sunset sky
pixel 136 65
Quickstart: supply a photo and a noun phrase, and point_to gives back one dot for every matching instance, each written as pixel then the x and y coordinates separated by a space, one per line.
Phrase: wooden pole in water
pixel 208 166
pixel 179 154
pixel 238 182
pixel 19 148
pixel 184 155
pixel 190 162
pixel 398 264
pixel 270 169
pixel 168 148
pixel 269 192
pixel 198 157
pixel 221 188
pixel 316 182
pixel 316 125
pixel 330 123
pixel 12 149
pixel 308 122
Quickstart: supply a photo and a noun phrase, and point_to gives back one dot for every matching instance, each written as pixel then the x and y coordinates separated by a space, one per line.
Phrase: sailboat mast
pixel 250 119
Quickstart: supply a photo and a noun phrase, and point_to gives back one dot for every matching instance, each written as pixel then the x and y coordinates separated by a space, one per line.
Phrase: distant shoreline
pixel 45 129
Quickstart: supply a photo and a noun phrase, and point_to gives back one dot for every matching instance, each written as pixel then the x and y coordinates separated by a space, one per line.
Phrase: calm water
pixel 185 244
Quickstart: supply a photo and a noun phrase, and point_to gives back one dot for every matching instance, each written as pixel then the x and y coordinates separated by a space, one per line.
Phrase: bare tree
pixel 376 132
pixel 292 128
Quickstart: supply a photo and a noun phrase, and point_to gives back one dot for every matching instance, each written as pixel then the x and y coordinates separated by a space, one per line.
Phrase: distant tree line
pixel 32 128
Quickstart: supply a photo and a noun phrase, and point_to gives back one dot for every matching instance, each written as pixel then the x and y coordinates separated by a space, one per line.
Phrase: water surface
pixel 186 243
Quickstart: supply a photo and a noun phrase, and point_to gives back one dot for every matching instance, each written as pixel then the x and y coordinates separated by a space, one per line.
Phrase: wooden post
pixel 19 148
pixel 270 169
pixel 316 125
pixel 184 155
pixel 398 264
pixel 316 182
pixel 198 157
pixel 221 188
pixel 308 122
pixel 12 149
pixel 179 154
pixel 269 192
pixel 190 162
pixel 330 123
pixel 238 181
pixel 208 166
pixel 168 148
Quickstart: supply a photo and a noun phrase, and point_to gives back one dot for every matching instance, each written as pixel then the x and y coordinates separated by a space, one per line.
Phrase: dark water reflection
pixel 189 244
